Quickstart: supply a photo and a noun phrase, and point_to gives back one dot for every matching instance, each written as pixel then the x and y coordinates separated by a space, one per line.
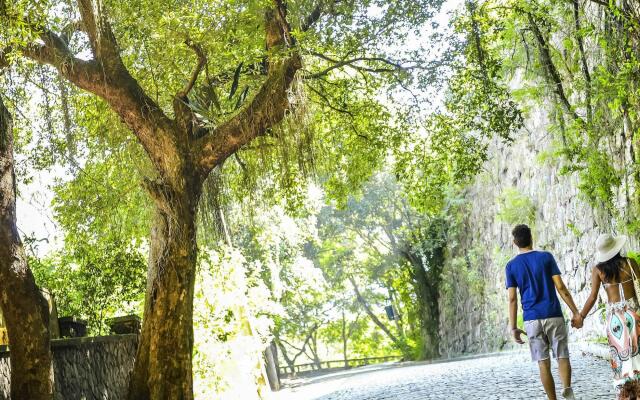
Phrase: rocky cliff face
pixel 520 183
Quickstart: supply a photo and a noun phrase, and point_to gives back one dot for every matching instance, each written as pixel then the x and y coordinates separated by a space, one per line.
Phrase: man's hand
pixel 515 333
pixel 577 321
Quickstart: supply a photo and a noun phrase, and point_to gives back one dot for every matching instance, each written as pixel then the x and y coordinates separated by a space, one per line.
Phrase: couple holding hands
pixel 537 277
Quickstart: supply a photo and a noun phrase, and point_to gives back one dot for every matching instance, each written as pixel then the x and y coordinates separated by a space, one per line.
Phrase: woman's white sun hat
pixel 608 246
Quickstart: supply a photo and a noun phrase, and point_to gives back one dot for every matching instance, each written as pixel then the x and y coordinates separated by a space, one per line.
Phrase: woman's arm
pixel 593 296
pixel 635 266
pixel 636 270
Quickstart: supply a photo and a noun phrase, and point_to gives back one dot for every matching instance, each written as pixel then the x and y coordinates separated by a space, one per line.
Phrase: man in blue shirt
pixel 537 276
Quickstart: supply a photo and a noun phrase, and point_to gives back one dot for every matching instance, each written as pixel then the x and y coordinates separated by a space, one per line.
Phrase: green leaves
pixel 95 282
pixel 516 208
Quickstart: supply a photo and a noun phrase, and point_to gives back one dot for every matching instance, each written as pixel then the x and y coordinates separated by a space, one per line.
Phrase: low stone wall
pixel 88 368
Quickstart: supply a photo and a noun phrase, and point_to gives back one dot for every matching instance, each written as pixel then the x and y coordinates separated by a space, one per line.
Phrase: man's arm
pixel 564 293
pixel 513 316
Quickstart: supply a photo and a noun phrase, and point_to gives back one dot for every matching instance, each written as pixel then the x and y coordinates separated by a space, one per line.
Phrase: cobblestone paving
pixel 511 376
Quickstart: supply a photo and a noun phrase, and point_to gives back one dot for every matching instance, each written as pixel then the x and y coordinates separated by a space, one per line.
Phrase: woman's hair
pixel 630 391
pixel 611 268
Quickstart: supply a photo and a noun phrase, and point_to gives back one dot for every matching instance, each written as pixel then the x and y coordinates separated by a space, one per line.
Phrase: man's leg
pixel 564 368
pixel 559 337
pixel 547 379
pixel 539 346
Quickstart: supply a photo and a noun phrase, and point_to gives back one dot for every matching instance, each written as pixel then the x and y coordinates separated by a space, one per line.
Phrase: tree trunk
pixel 163 368
pixel 313 347
pixel 401 345
pixel 25 310
pixel 344 341
pixel 426 289
pixel 272 367
pixel 396 307
pixel 290 363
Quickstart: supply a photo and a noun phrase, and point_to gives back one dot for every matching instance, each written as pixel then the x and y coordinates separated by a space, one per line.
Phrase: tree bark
pixel 272 367
pixel 25 310
pixel 426 289
pixel 313 347
pixel 163 366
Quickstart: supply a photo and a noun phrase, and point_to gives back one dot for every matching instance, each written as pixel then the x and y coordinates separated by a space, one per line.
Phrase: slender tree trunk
pixel 401 345
pixel 344 341
pixel 313 347
pixel 25 310
pixel 290 363
pixel 272 367
pixel 163 367
pixel 396 307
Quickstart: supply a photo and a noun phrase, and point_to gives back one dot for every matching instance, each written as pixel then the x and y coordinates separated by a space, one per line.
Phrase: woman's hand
pixel 577 321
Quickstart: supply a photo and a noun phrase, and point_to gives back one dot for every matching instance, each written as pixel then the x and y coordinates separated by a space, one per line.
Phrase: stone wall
pixel 89 368
pixel 473 302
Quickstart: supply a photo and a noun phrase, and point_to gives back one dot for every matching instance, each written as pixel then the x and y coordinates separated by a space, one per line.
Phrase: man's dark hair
pixel 522 236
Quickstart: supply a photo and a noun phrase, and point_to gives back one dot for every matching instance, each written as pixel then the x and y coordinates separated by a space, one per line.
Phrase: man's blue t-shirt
pixel 531 272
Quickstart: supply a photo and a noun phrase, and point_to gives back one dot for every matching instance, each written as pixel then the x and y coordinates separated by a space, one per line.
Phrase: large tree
pixel 25 310
pixel 183 153
pixel 83 43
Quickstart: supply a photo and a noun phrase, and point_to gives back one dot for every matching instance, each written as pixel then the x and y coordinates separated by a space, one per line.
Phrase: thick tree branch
pixel 55 52
pixel 202 60
pixel 318 11
pixel 267 108
pixel 101 38
pixel 107 77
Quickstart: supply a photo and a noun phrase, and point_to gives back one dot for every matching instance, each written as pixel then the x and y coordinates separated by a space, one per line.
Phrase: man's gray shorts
pixel 545 333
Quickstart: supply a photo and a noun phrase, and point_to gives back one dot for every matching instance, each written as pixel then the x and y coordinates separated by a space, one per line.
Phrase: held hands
pixel 577 321
pixel 515 334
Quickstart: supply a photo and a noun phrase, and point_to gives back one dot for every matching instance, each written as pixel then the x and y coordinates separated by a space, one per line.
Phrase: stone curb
pixel 464 358
pixel 301 381
pixel 599 350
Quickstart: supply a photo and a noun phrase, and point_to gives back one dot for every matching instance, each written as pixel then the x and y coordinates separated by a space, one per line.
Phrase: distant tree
pixel 395 235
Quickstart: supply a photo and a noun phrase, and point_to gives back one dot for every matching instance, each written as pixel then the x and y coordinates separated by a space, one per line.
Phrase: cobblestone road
pixel 510 376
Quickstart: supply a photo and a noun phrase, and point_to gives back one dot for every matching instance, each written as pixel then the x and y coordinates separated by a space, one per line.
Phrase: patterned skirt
pixel 623 331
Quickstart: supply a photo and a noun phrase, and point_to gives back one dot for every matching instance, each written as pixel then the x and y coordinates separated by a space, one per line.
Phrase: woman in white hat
pixel 616 274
